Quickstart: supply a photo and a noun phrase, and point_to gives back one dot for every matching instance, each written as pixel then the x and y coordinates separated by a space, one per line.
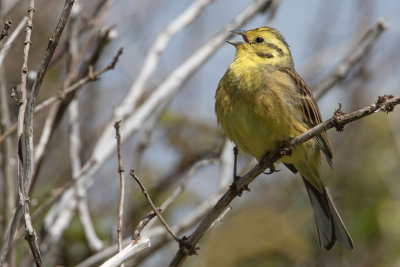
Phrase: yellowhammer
pixel 262 102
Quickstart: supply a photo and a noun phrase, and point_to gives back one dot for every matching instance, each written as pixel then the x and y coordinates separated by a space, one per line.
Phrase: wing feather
pixel 310 110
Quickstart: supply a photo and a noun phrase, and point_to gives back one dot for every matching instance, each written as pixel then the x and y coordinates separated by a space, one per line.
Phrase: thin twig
pixel 385 103
pixel 153 207
pixel 180 188
pixel 8 44
pixel 4 32
pixel 188 222
pixel 142 224
pixel 182 185
pixel 121 172
pixel 158 232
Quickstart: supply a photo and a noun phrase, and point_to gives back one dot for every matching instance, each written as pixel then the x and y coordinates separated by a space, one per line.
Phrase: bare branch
pixel 385 103
pixel 153 56
pixel 12 38
pixel 358 52
pixel 4 32
pixel 154 208
pixel 158 232
pixel 121 172
pixel 128 252
pixel 28 127
pixel 53 42
pixel 184 225
pixel 75 148
pixel 90 77
pixel 30 234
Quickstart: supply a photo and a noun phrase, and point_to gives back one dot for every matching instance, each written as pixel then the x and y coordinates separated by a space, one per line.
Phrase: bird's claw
pixel 271 170
pixel 187 248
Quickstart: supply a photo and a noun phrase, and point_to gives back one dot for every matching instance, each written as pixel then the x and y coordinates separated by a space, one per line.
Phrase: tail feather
pixel 329 224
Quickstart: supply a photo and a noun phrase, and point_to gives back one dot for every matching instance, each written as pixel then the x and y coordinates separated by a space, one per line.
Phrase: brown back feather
pixel 310 109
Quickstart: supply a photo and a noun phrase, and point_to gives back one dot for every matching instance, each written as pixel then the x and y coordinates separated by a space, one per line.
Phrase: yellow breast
pixel 252 110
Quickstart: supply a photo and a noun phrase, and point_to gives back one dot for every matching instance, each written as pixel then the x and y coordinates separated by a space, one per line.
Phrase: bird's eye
pixel 259 40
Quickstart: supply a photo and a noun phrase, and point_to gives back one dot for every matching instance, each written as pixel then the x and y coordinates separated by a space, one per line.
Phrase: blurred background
pixel 273 225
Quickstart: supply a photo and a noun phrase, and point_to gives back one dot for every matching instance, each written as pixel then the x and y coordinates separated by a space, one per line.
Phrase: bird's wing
pixel 310 110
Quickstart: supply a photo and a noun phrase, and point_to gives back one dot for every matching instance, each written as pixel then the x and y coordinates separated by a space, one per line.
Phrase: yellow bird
pixel 262 102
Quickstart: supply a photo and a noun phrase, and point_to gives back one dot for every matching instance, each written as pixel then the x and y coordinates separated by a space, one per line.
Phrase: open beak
pixel 239 42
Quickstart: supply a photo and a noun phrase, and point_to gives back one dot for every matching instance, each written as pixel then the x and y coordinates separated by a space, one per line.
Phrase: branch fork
pixel 187 248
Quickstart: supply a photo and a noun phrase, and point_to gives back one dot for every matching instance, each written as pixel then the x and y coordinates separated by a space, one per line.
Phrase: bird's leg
pixel 235 176
pixel 235 155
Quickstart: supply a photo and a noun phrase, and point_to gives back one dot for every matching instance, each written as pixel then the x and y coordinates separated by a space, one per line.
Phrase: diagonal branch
pixel 385 103
pixel 355 55
pixel 154 54
pixel 154 208
pixel 13 36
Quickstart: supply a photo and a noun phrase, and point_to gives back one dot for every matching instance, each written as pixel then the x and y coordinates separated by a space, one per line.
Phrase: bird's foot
pixel 271 170
pixel 235 189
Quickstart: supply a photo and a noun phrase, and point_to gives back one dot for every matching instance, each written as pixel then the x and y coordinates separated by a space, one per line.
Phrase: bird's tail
pixel 329 224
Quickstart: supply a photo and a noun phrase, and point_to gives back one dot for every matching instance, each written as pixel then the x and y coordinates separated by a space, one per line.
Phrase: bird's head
pixel 264 45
